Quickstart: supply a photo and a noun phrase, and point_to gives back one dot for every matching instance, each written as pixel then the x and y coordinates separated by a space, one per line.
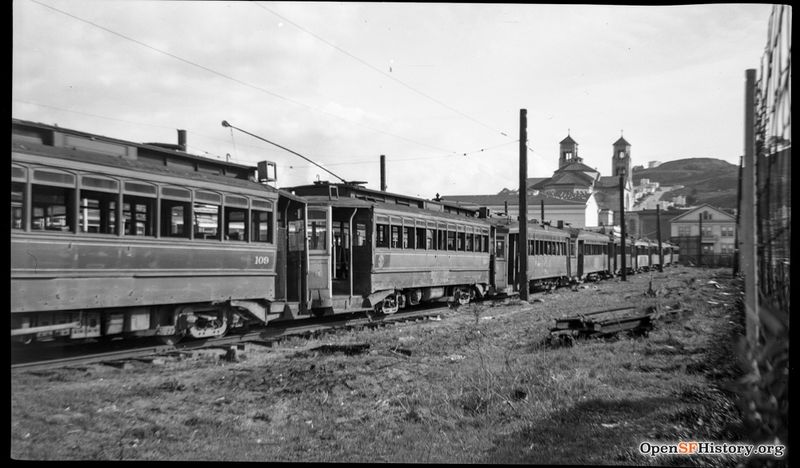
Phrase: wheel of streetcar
pixel 462 297
pixel 387 306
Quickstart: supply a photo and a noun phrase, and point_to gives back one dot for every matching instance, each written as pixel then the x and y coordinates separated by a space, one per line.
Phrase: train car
pixel 641 255
pixel 548 258
pixel 672 252
pixel 376 251
pixel 617 255
pixel 656 255
pixel 113 238
pixel 590 257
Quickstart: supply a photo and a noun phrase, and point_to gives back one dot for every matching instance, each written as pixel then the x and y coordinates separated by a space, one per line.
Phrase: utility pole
pixel 542 210
pixel 383 173
pixel 700 242
pixel 622 222
pixel 658 233
pixel 523 204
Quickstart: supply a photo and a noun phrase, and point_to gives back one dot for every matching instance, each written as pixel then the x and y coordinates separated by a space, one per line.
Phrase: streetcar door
pixel 319 256
pixel 580 258
pixel 512 262
pixel 500 267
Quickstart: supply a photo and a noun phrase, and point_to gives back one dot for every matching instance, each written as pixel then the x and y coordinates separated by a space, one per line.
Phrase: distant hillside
pixel 705 180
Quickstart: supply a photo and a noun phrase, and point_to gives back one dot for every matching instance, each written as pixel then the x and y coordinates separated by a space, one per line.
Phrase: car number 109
pixel 262 260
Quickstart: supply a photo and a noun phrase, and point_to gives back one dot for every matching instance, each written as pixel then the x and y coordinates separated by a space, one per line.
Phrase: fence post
pixel 748 238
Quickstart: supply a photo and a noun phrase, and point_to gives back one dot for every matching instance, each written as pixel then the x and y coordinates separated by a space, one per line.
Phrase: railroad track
pixel 273 333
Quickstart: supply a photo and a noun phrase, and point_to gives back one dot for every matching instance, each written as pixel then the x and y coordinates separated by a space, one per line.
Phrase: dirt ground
pixel 478 386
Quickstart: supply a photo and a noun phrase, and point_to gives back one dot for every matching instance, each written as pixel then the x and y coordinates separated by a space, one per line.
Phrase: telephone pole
pixel 523 204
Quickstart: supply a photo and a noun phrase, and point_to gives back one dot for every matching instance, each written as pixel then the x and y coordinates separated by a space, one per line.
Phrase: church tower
pixel 621 159
pixel 568 152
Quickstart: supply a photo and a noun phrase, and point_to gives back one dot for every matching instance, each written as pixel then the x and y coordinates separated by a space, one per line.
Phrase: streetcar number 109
pixel 262 260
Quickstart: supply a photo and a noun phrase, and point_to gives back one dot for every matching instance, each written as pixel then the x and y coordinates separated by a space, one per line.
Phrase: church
pixel 576 194
pixel 575 180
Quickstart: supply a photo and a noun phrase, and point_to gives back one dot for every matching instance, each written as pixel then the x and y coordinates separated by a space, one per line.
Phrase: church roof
pixel 621 142
pixel 512 199
pixel 576 167
pixel 568 140
pixel 608 181
pixel 571 178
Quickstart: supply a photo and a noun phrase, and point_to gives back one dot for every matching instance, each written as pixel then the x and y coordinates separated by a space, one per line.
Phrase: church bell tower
pixel 568 152
pixel 621 159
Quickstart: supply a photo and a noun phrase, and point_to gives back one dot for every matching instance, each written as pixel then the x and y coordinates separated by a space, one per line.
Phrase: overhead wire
pixel 243 83
pixel 393 78
pixel 231 78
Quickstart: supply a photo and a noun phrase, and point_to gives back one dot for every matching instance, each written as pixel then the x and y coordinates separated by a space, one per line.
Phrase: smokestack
pixel 182 139
pixel 383 173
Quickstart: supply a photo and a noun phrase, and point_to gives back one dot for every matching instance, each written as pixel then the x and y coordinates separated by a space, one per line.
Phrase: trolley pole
pixel 523 205
pixel 622 223
pixel 658 233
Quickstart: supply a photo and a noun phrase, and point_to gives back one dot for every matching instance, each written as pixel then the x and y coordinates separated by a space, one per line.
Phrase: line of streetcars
pixel 111 238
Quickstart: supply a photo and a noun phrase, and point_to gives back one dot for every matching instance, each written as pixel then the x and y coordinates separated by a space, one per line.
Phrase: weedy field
pixel 481 385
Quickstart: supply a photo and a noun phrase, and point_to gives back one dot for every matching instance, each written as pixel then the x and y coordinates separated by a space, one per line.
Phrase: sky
pixel 437 88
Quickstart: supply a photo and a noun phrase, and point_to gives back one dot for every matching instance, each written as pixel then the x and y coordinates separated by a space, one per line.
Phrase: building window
pixel 705 215
pixel 684 231
pixel 727 231
pixel 708 231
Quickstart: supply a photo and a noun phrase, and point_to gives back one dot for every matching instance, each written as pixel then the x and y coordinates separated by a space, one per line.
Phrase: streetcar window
pixel 174 218
pixel 382 235
pixel 52 208
pixel 460 239
pixel 408 237
pixel 98 212
pixel 430 239
pixel 206 221
pixel 361 234
pixel 17 205
pixel 138 215
pixel 451 240
pixel 441 239
pixel 261 229
pixel 235 223
pixel 470 245
pixel 396 237
pixel 500 248
pixel 420 242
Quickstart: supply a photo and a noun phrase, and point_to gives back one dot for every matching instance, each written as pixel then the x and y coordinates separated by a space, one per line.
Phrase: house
pixel 706 233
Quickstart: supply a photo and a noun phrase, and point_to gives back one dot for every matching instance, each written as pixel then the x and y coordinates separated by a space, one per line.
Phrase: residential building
pixel 706 234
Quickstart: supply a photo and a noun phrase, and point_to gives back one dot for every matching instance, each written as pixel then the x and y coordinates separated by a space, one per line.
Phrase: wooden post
pixel 658 233
pixel 622 223
pixel 523 204
pixel 542 209
pixel 700 242
pixel 383 173
pixel 748 238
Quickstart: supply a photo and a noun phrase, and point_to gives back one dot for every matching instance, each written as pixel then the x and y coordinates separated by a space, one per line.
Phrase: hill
pixel 704 180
